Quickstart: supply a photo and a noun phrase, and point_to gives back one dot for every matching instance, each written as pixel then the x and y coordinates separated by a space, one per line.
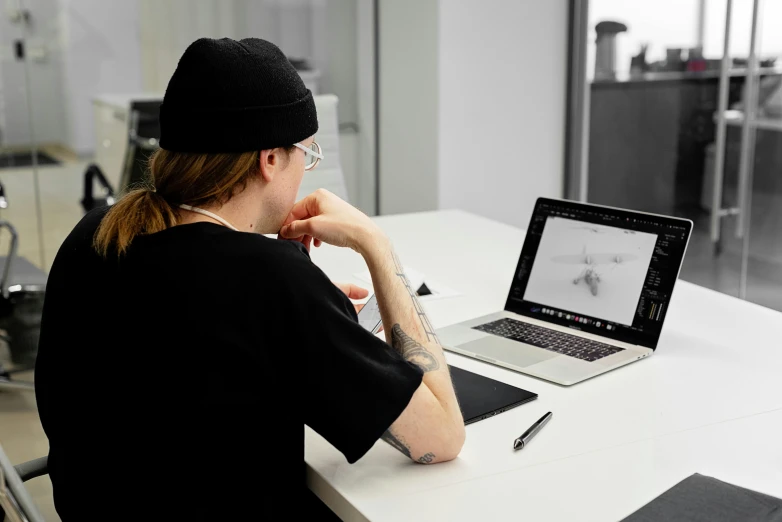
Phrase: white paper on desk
pixel 416 278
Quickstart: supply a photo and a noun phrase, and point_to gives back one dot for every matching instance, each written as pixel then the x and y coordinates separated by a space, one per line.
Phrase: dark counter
pixel 648 140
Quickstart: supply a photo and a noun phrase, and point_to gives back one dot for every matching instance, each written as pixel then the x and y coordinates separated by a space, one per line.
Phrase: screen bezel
pixel 647 340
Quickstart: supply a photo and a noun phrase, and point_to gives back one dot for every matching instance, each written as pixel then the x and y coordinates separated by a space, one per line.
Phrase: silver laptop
pixel 590 293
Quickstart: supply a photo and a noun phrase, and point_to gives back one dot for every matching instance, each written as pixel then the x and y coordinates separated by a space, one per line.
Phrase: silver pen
pixel 531 432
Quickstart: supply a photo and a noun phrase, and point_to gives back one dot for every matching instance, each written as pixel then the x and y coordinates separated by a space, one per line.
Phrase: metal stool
pixel 22 290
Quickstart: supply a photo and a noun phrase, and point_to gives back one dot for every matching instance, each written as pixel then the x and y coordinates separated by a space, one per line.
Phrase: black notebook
pixel 481 397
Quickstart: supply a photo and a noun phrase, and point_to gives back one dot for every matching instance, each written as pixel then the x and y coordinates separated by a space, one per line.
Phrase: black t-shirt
pixel 174 383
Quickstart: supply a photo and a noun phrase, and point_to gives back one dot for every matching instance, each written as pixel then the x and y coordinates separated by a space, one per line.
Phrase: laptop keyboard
pixel 552 340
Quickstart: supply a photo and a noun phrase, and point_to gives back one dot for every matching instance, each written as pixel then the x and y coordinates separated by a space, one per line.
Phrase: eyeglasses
pixel 312 155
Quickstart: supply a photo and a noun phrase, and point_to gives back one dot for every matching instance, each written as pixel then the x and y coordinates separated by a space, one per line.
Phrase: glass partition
pixel 26 131
pixel 663 128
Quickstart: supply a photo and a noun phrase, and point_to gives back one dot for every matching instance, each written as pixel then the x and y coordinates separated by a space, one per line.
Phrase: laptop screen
pixel 601 270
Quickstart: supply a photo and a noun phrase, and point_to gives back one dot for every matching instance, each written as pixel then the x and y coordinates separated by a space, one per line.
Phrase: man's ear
pixel 270 161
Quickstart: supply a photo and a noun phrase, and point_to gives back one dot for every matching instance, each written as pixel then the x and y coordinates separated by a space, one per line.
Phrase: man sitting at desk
pixel 182 351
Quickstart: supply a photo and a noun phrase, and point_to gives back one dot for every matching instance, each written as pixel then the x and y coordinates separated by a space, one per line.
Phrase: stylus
pixel 531 432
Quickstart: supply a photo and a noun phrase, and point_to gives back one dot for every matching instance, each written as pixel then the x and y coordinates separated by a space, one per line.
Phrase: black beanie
pixel 235 96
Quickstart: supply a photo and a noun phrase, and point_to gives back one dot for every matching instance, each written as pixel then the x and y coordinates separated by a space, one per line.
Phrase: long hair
pixel 173 178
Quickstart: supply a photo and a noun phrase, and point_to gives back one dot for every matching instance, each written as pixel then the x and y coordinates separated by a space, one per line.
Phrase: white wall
pixel 365 188
pixel 76 49
pixel 503 75
pixel 44 62
pixel 168 27
pixel 338 58
pixel 408 79
pixel 101 54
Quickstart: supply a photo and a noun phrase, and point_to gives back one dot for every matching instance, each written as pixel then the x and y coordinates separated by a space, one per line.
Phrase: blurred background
pixel 73 71
pixel 671 107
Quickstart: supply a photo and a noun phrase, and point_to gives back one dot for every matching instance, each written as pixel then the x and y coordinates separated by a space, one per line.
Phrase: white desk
pixel 715 373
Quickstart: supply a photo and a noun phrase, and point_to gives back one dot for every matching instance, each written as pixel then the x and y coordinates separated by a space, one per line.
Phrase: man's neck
pixel 232 212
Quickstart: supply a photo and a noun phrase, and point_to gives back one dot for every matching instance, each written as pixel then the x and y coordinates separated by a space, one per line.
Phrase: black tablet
pixel 481 397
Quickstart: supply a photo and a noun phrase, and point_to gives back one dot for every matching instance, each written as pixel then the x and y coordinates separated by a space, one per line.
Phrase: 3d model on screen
pixel 595 265
pixel 591 269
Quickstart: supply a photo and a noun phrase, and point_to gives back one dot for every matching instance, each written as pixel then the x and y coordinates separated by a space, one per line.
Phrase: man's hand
pixel 353 292
pixel 324 217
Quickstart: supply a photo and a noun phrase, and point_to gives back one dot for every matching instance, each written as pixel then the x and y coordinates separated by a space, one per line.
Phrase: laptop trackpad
pixel 507 351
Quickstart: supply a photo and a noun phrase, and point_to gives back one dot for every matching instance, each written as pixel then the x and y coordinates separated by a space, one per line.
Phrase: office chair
pixel 15 502
pixel 3 201
pixel 143 137
pixel 89 201
pixel 22 291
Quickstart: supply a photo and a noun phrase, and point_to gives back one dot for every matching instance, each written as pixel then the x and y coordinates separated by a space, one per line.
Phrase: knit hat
pixel 235 96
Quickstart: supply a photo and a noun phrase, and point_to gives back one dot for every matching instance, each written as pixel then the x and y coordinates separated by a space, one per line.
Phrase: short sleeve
pixel 357 384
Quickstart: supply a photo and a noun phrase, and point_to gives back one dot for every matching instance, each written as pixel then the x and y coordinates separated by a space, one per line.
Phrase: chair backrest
pixel 14 498
pixel 328 174
pixel 143 137
pixel 148 121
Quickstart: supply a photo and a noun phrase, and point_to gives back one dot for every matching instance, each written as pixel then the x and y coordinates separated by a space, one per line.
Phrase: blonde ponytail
pixel 139 212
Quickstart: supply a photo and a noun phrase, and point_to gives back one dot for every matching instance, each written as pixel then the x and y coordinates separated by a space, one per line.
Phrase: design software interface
pixel 604 271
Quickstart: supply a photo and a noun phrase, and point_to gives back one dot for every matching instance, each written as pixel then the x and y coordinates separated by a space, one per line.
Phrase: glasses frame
pixel 318 154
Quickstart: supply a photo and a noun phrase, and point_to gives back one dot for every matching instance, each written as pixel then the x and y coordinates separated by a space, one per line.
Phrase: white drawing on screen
pixel 594 266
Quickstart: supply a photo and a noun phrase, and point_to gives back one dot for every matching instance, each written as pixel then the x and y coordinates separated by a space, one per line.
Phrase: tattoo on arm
pixel 412 350
pixel 426 459
pixel 430 335
pixel 389 437
pixel 404 449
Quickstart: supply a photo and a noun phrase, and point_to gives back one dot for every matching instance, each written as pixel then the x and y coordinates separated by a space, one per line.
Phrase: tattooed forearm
pixel 396 443
pixel 412 350
pixel 426 459
pixel 430 335
pixel 404 449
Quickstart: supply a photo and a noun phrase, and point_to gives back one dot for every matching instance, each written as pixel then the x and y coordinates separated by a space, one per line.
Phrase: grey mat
pixel 704 499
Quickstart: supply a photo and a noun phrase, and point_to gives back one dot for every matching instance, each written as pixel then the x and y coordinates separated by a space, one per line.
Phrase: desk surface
pixel 716 370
